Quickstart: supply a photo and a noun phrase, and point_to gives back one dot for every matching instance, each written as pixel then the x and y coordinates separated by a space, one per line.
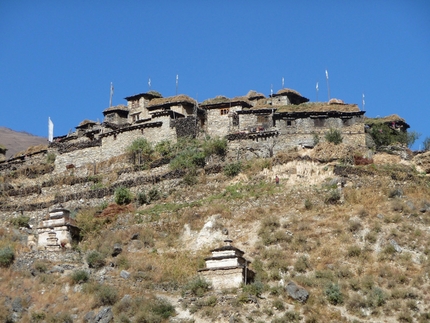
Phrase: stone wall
pixel 217 125
pixel 114 144
pixel 250 121
pixel 224 278
pixel 62 234
pixel 185 127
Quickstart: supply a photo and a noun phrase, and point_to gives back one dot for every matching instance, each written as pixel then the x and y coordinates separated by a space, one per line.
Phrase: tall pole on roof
pixel 271 93
pixel 362 102
pixel 282 83
pixel 149 84
pixel 328 84
pixel 111 94
pixel 177 80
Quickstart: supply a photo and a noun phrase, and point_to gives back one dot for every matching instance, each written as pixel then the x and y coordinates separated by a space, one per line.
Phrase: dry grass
pixel 346 244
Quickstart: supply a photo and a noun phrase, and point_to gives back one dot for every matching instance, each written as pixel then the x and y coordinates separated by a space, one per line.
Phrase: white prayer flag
pixel 316 86
pixel 50 130
pixel 149 82
pixel 326 74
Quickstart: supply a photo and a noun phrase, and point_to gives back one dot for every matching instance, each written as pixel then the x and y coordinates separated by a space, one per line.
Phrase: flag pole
pixel 149 84
pixel 328 84
pixel 177 79
pixel 282 83
pixel 111 94
pixel 316 88
pixel 363 102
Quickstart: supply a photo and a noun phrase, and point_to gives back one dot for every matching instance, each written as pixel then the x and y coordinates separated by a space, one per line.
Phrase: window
pixel 224 111
pixel 135 104
pixel 346 122
pixel 235 119
pixel 319 122
pixel 289 123
pixel 135 117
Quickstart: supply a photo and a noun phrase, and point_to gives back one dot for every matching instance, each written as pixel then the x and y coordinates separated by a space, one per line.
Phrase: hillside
pixel 355 237
pixel 16 141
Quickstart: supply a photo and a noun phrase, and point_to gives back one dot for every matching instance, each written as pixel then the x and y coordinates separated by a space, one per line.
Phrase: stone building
pixel 255 125
pixel 137 105
pixel 58 231
pixel 227 268
pixel 117 115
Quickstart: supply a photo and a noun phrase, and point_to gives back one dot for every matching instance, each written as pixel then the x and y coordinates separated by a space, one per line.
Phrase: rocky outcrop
pixel 296 292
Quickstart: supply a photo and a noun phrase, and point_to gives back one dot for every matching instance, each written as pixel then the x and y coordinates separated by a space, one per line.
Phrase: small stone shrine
pixel 227 268
pixel 58 231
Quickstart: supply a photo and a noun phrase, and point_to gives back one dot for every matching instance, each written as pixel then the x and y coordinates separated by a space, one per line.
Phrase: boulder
pixel 124 274
pixel 117 249
pixel 296 292
pixel 395 245
pixel 104 316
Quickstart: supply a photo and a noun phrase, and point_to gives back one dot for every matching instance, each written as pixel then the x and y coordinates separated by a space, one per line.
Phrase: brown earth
pixel 16 141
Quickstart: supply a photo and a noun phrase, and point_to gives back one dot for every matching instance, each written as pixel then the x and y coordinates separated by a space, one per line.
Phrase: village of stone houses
pixel 247 209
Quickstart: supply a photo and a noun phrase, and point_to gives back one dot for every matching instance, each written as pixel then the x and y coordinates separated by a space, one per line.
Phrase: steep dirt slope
pixel 16 141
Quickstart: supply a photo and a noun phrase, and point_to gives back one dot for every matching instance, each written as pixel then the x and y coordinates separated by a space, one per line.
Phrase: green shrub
pixel 255 289
pixel 154 194
pixel 7 256
pixel 140 151
pixel 232 169
pixel 80 276
pixel 278 304
pixel 333 197
pixel 123 196
pixel 190 179
pixel 37 317
pixel 302 264
pixel 50 158
pixel 316 139
pixel 334 136
pixel 145 310
pixel 426 144
pixel 308 204
pixel 383 135
pixel 215 146
pixel 289 316
pixel 40 267
pixel 198 286
pixel 21 222
pixel 95 259
pixel 164 148
pixel 333 294
pixel 188 160
pixel 106 295
pixel 377 297
pixel 353 251
pixel 162 308
pixel 142 198
pixel 146 198
pixel 60 318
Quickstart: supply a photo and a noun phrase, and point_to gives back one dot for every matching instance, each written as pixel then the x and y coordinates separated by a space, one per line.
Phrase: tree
pixel 426 144
pixel 140 151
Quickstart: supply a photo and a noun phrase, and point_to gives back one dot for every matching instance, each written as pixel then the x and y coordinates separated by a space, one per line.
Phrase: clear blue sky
pixel 57 58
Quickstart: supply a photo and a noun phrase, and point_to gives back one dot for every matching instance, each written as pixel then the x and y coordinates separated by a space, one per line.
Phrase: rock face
pixel 395 245
pixel 117 249
pixel 296 292
pixel 104 316
pixel 423 161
